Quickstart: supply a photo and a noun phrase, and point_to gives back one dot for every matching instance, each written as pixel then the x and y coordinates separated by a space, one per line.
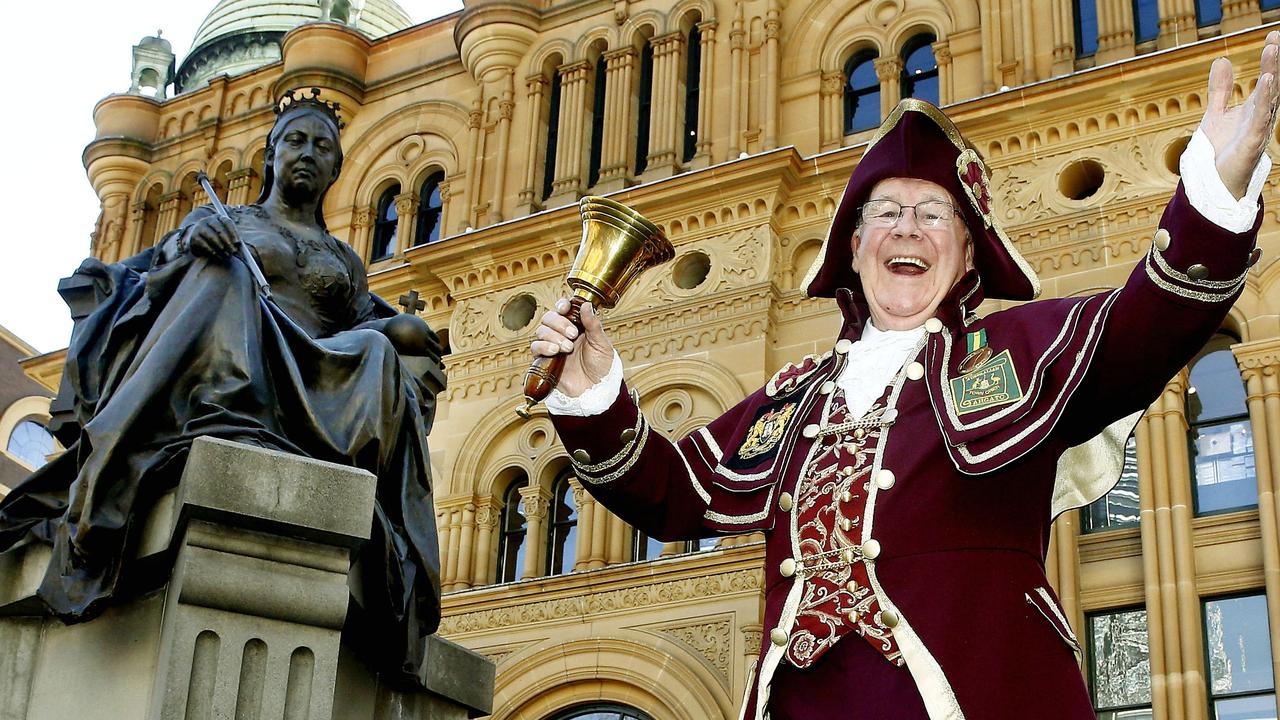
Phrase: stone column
pixel 1115 30
pixel 737 98
pixel 568 183
pixel 361 222
pixel 1260 365
pixel 444 187
pixel 772 27
pixel 506 108
pixel 585 505
pixel 1177 23
pixel 752 637
pixel 663 123
pixel 239 182
pixel 536 502
pixel 137 224
pixel 475 154
pixel 831 110
pixel 889 73
pixel 535 87
pixel 614 164
pixel 1238 15
pixel 406 217
pixel 169 206
pixel 599 537
pixel 108 239
pixel 446 526
pixel 706 93
pixel 1064 37
pixel 1150 472
pixel 1066 530
pixel 487 517
pixel 619 532
pixel 942 54
pixel 466 548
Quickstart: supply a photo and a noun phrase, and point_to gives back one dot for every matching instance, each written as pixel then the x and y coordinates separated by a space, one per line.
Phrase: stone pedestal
pixel 248 624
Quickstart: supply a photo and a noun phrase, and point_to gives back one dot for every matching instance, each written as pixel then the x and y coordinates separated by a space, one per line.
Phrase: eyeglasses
pixel 885 213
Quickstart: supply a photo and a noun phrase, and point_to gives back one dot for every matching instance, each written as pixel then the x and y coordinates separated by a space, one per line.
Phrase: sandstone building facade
pixel 733 124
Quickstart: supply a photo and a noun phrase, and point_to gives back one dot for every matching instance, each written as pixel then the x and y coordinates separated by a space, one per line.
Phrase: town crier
pixel 906 479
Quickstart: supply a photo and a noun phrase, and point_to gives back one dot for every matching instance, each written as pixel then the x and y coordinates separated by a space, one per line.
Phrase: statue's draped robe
pixel 187 347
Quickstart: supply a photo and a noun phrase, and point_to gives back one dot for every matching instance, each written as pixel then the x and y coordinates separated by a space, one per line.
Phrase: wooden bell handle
pixel 544 373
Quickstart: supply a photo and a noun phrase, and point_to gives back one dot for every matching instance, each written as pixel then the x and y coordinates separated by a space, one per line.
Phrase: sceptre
pixel 258 278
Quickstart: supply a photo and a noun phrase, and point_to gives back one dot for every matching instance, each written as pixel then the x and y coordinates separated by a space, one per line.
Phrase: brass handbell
pixel 617 245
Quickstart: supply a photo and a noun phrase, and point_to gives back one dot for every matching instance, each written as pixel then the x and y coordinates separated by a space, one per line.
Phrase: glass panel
pixel 692 82
pixel 644 547
pixel 1216 391
pixel 1238 644
pixel 1223 464
pixel 1269 4
pixel 1146 20
pixel 511 545
pixel 1131 714
pixel 1258 707
pixel 861 94
pixel 30 442
pixel 553 138
pixel 643 111
pixel 597 123
pixel 562 546
pixel 1118 508
pixel 1209 12
pixel 1086 18
pixel 1121 661
pixel 920 72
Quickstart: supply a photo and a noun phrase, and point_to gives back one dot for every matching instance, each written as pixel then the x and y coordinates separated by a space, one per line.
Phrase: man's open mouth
pixel 906 265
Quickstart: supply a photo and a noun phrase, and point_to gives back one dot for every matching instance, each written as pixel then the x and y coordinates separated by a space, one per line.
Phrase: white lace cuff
pixel 594 400
pixel 1209 196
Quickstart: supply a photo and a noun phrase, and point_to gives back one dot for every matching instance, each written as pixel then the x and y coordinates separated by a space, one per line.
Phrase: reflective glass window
pixel 644 547
pixel 861 93
pixel 384 225
pixel 1120 664
pixel 513 529
pixel 429 206
pixel 562 529
pixel 1119 507
pixel 596 152
pixel 1146 20
pixel 692 86
pixel 1086 21
pixel 645 107
pixel 1209 12
pixel 920 69
pixel 601 712
pixel 1238 649
pixel 31 443
pixel 553 138
pixel 1221 437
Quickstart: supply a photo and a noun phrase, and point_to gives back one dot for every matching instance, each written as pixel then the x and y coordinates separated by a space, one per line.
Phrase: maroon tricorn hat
pixel 918 141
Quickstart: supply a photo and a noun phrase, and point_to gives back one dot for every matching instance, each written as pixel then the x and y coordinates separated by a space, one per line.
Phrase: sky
pixel 58 67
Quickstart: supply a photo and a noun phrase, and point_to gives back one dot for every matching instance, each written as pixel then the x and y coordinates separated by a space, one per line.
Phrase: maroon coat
pixel 964 528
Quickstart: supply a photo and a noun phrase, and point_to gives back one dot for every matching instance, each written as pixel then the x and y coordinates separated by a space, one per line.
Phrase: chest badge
pixel 766 432
pixel 978 349
pixel 992 384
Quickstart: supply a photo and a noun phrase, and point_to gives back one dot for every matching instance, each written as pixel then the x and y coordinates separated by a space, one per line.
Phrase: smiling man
pixel 906 479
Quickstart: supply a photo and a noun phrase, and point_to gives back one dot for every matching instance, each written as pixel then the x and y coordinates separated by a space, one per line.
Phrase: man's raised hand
pixel 1240 134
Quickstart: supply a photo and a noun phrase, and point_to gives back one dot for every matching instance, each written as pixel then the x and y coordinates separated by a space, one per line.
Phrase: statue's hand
pixel 214 237
pixel 590 353
pixel 1240 134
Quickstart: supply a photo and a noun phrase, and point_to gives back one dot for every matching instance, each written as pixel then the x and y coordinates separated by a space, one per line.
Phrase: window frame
pixel 1193 427
pixel 644 107
pixel 906 81
pixel 1091 676
pixel 552 144
pixel 1204 638
pixel 561 532
pixel 1086 523
pixel 1078 25
pixel 595 147
pixel 421 234
pixel 692 93
pixel 852 97
pixel 511 501
pixel 384 229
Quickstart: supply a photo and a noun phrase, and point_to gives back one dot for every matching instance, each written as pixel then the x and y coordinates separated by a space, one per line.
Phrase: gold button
pixel 787 567
pixel 859 433
pixel 933 325
pixel 1197 272
pixel 778 637
pixel 785 502
pixel 847 555
pixel 1161 240
pixel 847 470
pixel 915 371
pixel 852 614
pixel 846 496
pixel 1254 256
pixel 827 388
pixel 810 431
pixel 582 457
pixel 871 549
pixel 889 618
pixel 843 345
pixel 851 586
pixel 885 479
pixel 846 524
pixel 627 435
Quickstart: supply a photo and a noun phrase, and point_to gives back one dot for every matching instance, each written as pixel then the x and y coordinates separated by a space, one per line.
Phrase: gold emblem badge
pixel 767 431
pixel 994 383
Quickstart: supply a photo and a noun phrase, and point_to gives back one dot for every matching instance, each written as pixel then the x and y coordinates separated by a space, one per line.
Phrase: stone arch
pixel 546 56
pixel 447 120
pixel 493 444
pixel 846 44
pixel 650 673
pixel 186 169
pixel 924 21
pixel 715 379
pixel 844 21
pixel 597 40
pixel 634 32
pixel 684 8
pixel 164 179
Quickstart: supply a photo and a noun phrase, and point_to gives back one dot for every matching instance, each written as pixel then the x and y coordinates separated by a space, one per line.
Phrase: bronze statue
pixel 182 343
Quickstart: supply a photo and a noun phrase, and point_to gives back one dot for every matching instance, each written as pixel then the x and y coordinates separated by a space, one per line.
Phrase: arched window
pixel 1209 12
pixel 512 534
pixel 601 711
pixel 644 547
pixel 1086 22
pixel 597 123
pixel 1221 438
pixel 384 225
pixel 30 442
pixel 562 528
pixel 553 138
pixel 692 87
pixel 645 108
pixel 1119 507
pixel 429 206
pixel 861 93
pixel 920 69
pixel 150 216
pixel 1146 20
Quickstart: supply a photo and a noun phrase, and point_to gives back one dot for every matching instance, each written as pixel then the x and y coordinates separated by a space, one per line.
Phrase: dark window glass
pixel 429 206
pixel 562 530
pixel 553 137
pixel 644 547
pixel 601 712
pixel 1209 12
pixel 1146 20
pixel 861 93
pixel 513 529
pixel 1086 19
pixel 384 225
pixel 1270 4
pixel 1120 664
pixel 692 85
pixel 1119 507
pixel 597 123
pixel 30 442
pixel 1221 437
pixel 1238 650
pixel 645 107
pixel 920 69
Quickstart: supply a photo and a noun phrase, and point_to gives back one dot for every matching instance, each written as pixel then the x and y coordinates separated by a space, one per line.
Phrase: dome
pixel 240 35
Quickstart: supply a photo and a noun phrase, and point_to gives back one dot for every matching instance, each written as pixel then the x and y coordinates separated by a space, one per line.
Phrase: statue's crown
pixel 296 100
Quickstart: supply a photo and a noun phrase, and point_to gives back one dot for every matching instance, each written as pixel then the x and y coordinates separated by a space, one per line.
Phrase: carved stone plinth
pixel 249 621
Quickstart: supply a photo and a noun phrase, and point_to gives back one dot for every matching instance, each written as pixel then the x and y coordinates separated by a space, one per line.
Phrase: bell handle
pixel 544 372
